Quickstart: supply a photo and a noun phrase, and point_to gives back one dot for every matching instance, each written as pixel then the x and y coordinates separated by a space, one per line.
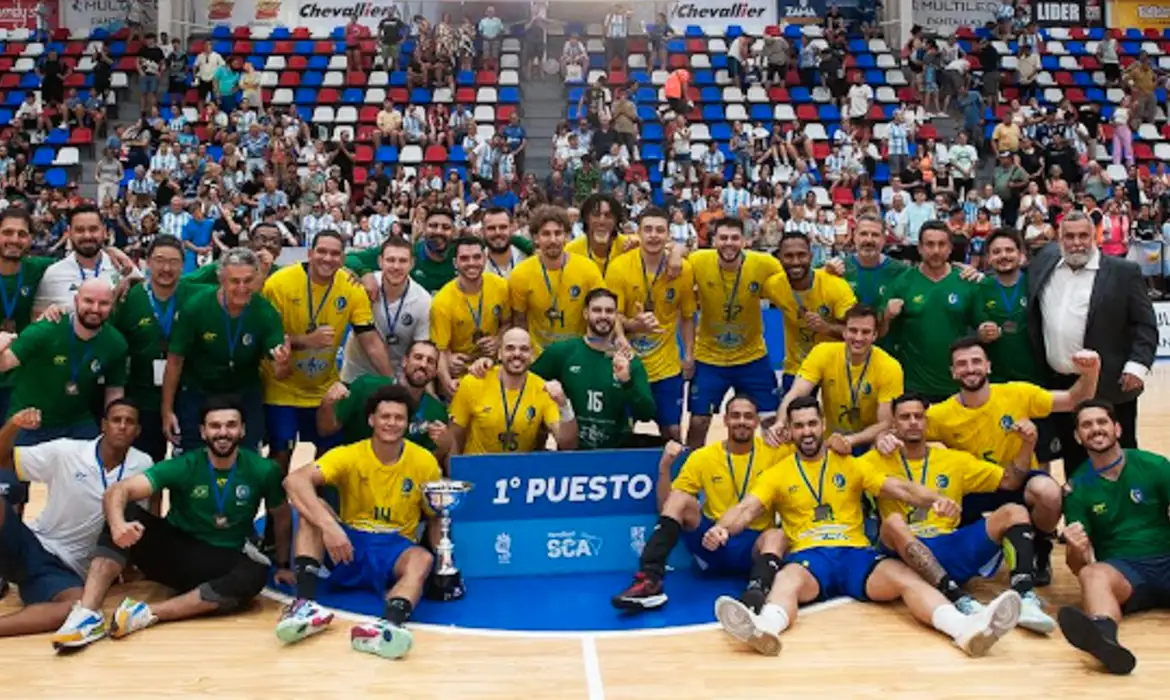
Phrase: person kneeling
pixel 373 544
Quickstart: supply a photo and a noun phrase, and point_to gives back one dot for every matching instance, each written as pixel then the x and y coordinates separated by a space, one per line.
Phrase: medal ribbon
pixel 97 455
pixel 221 494
pixel 510 417
pixel 646 278
pixel 855 389
pixel 925 467
pixel 730 299
pixel 1009 305
pixel 511 264
pixel 747 475
pixel 820 483
pixel 97 270
pixel 392 323
pixel 555 296
pixel 476 317
pixel 164 316
pixel 233 338
pixel 75 367
pixel 1109 466
pixel 10 304
pixel 603 263
pixel 314 312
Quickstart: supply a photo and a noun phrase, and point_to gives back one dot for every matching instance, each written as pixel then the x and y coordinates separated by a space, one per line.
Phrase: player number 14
pixel 594 403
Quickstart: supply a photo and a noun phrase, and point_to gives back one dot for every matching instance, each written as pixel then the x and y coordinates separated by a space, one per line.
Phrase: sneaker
pixel 381 639
pixel 644 593
pixel 969 606
pixel 740 622
pixel 1083 632
pixel 991 624
pixel 302 619
pixel 130 617
pixel 1032 615
pixel 82 628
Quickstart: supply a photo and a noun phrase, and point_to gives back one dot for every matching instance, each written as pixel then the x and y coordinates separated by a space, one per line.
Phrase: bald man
pixel 503 409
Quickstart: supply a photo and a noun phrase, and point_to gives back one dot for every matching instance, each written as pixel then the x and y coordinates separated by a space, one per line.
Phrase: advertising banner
pixel 108 14
pixel 714 16
pixel 1141 14
pixel 945 16
pixel 1068 13
pixel 326 15
pixel 1162 312
pixel 22 14
pixel 242 12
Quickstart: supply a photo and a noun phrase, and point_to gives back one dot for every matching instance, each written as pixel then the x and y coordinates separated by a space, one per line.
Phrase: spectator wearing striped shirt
pixel 617 33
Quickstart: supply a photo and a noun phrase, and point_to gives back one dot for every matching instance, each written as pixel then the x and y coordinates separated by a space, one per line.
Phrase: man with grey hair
pixel 1079 299
pixel 227 331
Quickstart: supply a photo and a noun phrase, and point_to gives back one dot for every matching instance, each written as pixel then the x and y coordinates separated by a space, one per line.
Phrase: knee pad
pixel 236 589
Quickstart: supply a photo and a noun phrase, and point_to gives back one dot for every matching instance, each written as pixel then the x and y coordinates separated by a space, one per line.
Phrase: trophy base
pixel 444 587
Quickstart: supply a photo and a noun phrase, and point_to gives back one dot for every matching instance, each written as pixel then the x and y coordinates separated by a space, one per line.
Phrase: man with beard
pixel 980 419
pixel 603 216
pixel 926 309
pixel 402 309
pixel 506 409
pixel 608 385
pixel 1118 536
pixel 1001 313
pixel 869 271
pixel 813 303
pixel 829 553
pixel 941 551
pixel 227 332
pixel 343 408
pixel 265 240
pixel 88 236
pixel 48 560
pixel 505 251
pixel 468 314
pixel 146 318
pixel 723 473
pixel 316 301
pixel 858 383
pixel 434 260
pixel 198 549
pixel 20 276
pixel 656 311
pixel 548 290
pixel 373 542
pixel 730 353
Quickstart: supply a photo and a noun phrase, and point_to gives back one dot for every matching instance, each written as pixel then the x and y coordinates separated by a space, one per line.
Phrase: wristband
pixel 567 411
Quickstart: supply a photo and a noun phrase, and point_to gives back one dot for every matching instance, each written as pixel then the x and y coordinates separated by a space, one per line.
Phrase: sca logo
pixel 571 544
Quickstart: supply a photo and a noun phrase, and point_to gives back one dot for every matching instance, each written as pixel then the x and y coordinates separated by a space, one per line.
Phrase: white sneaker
pixel 130 617
pixel 82 628
pixel 302 619
pixel 991 624
pixel 740 622
pixel 1032 615
pixel 969 606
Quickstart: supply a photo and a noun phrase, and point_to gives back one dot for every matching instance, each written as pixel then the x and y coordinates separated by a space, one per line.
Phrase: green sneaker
pixel 381 639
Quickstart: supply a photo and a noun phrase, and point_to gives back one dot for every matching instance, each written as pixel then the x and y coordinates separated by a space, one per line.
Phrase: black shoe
pixel 1042 575
pixel 754 597
pixel 1083 632
pixel 644 593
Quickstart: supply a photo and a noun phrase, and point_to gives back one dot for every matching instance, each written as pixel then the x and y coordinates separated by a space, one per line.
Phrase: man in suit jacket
pixel 1077 299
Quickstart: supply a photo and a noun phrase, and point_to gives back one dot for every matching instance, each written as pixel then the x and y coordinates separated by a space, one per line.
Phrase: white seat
pixel 119 81
pixel 555 29
pixel 699 151
pixel 816 132
pixel 484 114
pixel 1152 48
pixel 282 96
pixel 822 197
pixel 411 153
pixel 346 130
pixel 340 63
pixel 1149 132
pixel 333 79
pixel 1164 62
pixel 275 63
pixel 261 32
pixel 191 114
pixel 722 77
pixel 595 46
pixel 269 79
pixel 509 77
pixel 700 132
pixel 85 64
pixel 784 173
pixel 378 78
pixel 21 34
pixel 784 113
pixel 323 115
pixel 1058 33
pixel 1115 95
pixel 886 94
pixel 594 75
pixel 1117 173
pixel 3 34
pixel 756 94
pixel 700 60
pixel 375 96
pixel 812 30
pixel 732 94
pixel 716 45
pixel 93 47
pixel 509 60
pixel 484 132
pixel 1162 151
pixel 1069 63
pixel 1055 48
pixel 1010 62
pixel 487 95
pixel 594 29
pixel 24 65
pixel 1053 95
pixel 443 95
pixel 659 77
pixel 510 45
pixel 1044 79
pixel 881 131
pixel 67 156
pixel 736 113
pixel 346 114
pixel 878 46
pixel 895 78
pixel 636 61
pixel 1002 48
pixel 35 50
pixel 821 94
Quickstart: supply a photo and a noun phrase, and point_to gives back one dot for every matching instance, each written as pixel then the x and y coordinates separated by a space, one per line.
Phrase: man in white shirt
pixel 87 235
pixel 964 159
pixel 206 64
pixel 497 228
pixel 48 559
pixel 859 99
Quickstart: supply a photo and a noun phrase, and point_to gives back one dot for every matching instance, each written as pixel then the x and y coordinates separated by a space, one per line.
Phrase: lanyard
pixel 603 263
pixel 867 286
pixel 730 299
pixel 233 338
pixel 10 304
pixel 510 417
pixel 97 270
pixel 747 475
pixel 1109 466
pixel 855 389
pixel 165 316
pixel 925 467
pixel 392 323
pixel 511 264
pixel 646 278
pixel 476 317
pixel 314 312
pixel 1009 305
pixel 800 300
pixel 75 367
pixel 555 296
pixel 221 494
pixel 97 454
pixel 820 483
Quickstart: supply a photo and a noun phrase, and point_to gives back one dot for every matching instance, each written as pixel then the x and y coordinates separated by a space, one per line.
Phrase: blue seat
pixel 353 96
pixel 57 137
pixel 858 46
pixel 264 48
pixel 303 47
pixel 574 113
pixel 56 178
pixel 640 77
pixel 464 78
pixel 1131 48
pixel 397 79
pixel 719 61
pixel 888 111
pixel 43 157
pixel 713 113
pixel 30 81
pixel 1133 33
pixel 734 31
pixel 305 113
pixel 711 94
pixel 1075 48
pixel 574 28
pixel 652 132
pixel 1050 62
pixel 386 154
pixel 760 112
pixel 651 152
pixel 596 61
pixel 117 49
pixel 14 98
pixel 257 62
pixel 280 33
pixel 704 77
pixel 457 155
pixel 875 78
pixel 338 34
pixel 644 94
pixel 318 63
pixel 55 46
pixel 305 96
pixel 215 152
pixel 721 131
pixel 694 32
pixel 312 79
pixel 1096 33
pixel 221 31
pixel 222 47
pixel 654 175
pixel 866 61
pixel 676 46
pixel 657 197
pixel 881 172
pixel 829 113
pixel 792 31
pixel 459 171
pixel 800 95
pixel 509 95
pixel 1083 79
pixel 420 96
pixel 1094 94
pixel 646 113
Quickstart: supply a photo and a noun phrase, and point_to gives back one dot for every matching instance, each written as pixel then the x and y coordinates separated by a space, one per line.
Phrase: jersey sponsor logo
pixel 574 292
pixel 145 321
pixel 407 485
pixel 942 481
pixel 918 299
pixel 867 388
pixel 575 369
pixel 570 544
pixel 1135 495
pixel 341 303
pixel 95 366
pixel 952 298
pixel 753 287
pixel 246 340
pixel 670 294
pixel 243 492
pixel 839 480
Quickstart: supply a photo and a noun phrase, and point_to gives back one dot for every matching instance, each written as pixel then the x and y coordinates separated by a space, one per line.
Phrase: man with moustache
pixel 434 259
pixel 820 512
pixel 1001 314
pixel 401 307
pixel 316 301
pixel 88 236
pixel 602 243
pixel 198 549
pixel 20 277
pixel 1118 536
pixel 607 387
pixel 48 559
pixel 869 271
pixel 265 240
pixel 505 251
pixel 146 319
pixel 506 409
pixel 343 408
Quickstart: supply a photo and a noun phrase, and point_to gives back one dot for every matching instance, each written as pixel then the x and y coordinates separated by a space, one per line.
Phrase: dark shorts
pixel 1150 579
pixel 735 557
pixel 839 571
pixel 668 401
pixel 286 423
pixel 1112 71
pixel 38 573
pixel 967 552
pixel 374 556
pixel 151 439
pixel 757 379
pixel 1047 439
pixel 977 505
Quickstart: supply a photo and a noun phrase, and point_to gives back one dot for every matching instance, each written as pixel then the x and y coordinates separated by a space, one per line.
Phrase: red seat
pixel 637 44
pixel 367 114
pixel 907 94
pixel 618 77
pixel 400 95
pixel 61 34
pixel 696 46
pixel 678 60
pixel 435 154
pixel 807 113
pixel 842 195
pixel 288 79
pixel 360 176
pixel 778 94
pixel 81 136
pixel 876 114
pixel 363 154
pixel 1077 33
pixel 127 64
pixel 505 112
pixel 197 46
pixel 1090 63
pixel 297 63
pixel 242 48
pixel 243 32
pixel 365 133
pixel 487 77
pixel 75 48
pixel 301 33
pixel 772 30
pixel 1063 78
pixel 13 48
pixel 328 96
pixel 5 64
pixel 1075 95
pixel 1142 151
pixel 75 80
pixel 821 150
pixel 465 95
pixel 965 33
pixel 356 79
pixel 323 48
pixel 927 131
pixel 9 81
pixel 282 48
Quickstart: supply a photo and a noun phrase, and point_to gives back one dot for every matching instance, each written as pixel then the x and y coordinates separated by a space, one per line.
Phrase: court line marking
pixel 593 680
pixel 551 634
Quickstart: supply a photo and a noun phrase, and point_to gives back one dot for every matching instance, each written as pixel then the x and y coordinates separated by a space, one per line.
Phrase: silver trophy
pixel 445 496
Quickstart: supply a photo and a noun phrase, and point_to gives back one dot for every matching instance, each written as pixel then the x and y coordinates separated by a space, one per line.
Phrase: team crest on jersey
pixel 246 340
pixel 823 310
pixel 407 485
pixel 497 311
pixel 867 389
pixel 990 304
pixel 243 492
pixel 574 291
pixel 60 360
pixel 942 481
pixel 407 319
pixel 1136 496
pixel 670 294
pixel 95 366
pixel 531 412
pixel 753 287
pixel 1006 422
pixel 25 291
pixel 952 298
pixel 340 303
pixel 917 299
pixel 839 480
pixel 209 336
pixel 200 491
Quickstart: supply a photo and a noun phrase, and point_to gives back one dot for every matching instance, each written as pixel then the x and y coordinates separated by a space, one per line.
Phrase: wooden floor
pixel 841 650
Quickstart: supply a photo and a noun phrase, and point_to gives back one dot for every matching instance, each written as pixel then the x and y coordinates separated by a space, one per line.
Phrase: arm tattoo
pixel 920 558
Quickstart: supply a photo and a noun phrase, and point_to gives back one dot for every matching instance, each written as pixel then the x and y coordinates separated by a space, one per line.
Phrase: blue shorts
pixel 668 401
pixel 38 573
pixel 735 557
pixel 374 556
pixel 286 423
pixel 1150 579
pixel 757 379
pixel 839 571
pixel 976 505
pixel 967 552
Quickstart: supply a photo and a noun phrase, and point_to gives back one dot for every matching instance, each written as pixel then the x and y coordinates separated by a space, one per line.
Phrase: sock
pixel 1020 552
pixel 657 549
pixel 1042 543
pixel 1108 627
pixel 397 611
pixel 306 569
pixel 773 618
pixel 764 570
pixel 948 587
pixel 948 620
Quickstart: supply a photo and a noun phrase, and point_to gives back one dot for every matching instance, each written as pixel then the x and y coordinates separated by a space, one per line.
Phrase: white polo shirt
pixel 72 519
pixel 411 315
pixel 61 280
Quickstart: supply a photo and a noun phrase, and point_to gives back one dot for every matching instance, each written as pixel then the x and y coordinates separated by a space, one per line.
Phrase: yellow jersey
pixel 724 479
pixel 731 328
pixel 629 279
pixel 377 497
pixel 952 474
pixel 553 301
pixel 457 316
pixel 482 408
pixel 617 247
pixel 834 519
pixel 829 297
pixel 339 304
pixel 986 432
pixel 851 394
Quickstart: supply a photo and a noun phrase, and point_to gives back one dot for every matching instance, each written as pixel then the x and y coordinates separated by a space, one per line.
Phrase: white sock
pixel 773 618
pixel 948 620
